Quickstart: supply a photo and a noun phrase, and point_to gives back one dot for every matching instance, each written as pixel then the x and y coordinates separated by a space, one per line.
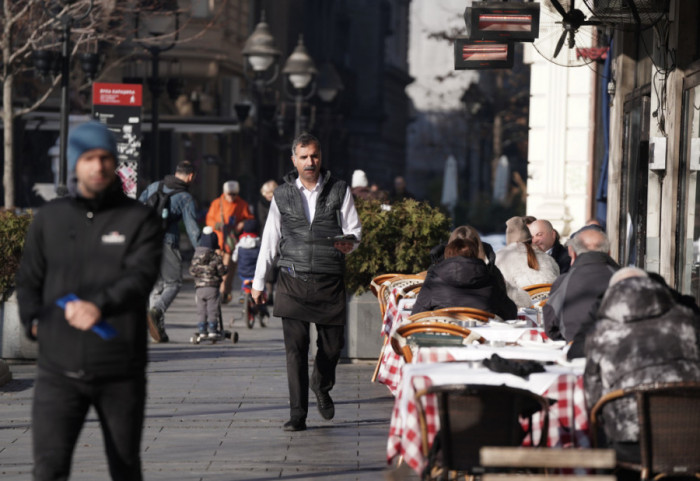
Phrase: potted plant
pixel 13 230
pixel 394 240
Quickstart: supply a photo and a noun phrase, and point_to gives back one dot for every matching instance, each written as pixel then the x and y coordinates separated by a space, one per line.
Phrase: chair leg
pixel 379 361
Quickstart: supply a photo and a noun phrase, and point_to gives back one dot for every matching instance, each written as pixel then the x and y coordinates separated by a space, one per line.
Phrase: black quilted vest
pixel 304 248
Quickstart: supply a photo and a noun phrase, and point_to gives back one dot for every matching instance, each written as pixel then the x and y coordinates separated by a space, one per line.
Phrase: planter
pixel 362 330
pixel 13 343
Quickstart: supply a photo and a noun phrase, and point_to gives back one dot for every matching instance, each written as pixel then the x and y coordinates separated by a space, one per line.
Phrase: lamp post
pixel 300 71
pixel 261 55
pixel 157 24
pixel 66 21
pixel 329 85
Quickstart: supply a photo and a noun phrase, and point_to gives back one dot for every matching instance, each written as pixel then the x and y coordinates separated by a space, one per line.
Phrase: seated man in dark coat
pixel 547 239
pixel 642 336
pixel 464 280
pixel 573 293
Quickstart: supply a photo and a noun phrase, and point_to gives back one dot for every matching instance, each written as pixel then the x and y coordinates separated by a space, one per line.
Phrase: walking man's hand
pixel 343 246
pixel 257 296
pixel 82 314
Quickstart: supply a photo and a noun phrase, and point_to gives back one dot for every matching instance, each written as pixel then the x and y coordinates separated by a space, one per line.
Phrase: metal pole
pixel 259 169
pixel 62 189
pixel 297 114
pixel 155 133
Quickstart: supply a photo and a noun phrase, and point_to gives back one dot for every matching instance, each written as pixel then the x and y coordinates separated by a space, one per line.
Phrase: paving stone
pixel 215 413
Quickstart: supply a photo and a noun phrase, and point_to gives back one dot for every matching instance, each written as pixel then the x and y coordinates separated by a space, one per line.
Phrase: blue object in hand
pixel 103 329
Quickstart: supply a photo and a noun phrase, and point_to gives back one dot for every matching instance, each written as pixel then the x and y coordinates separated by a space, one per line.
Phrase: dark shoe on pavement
pixel 295 424
pixel 155 317
pixel 325 405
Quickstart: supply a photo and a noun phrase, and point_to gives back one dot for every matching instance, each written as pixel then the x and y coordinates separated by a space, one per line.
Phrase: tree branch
pixel 40 100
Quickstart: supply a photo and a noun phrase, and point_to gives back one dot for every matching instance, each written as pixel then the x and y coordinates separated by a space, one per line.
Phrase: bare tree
pixel 27 26
pixel 30 25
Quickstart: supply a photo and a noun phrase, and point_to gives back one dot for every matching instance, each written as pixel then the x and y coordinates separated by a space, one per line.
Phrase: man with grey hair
pixel 574 292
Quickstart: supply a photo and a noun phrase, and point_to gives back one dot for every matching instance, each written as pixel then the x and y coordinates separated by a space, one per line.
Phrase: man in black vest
pixel 309 214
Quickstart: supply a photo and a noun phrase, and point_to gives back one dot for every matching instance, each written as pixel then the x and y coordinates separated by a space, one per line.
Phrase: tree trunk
pixel 8 176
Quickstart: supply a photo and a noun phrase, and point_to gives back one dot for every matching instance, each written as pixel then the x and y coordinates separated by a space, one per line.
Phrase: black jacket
pixel 561 255
pixel 464 282
pixel 106 251
pixel 573 294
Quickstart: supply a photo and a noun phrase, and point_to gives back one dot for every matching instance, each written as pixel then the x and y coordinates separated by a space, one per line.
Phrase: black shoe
pixel 325 405
pixel 295 424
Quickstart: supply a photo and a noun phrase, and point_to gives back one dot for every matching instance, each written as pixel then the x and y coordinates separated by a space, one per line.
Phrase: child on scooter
pixel 208 269
pixel 246 255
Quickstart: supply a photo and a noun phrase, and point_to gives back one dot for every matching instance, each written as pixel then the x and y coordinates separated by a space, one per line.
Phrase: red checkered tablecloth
pixel 568 421
pixel 389 372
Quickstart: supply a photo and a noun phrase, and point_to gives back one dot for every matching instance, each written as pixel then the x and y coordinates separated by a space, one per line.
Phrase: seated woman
pixel 463 280
pixel 523 264
pixel 486 253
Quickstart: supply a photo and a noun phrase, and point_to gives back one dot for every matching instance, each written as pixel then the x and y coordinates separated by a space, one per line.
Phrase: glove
pixel 219 226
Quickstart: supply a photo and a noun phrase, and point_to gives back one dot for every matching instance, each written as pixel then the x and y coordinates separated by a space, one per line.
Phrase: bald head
pixel 589 240
pixel 543 234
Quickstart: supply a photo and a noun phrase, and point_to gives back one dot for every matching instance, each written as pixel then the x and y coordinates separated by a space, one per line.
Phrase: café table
pixel 563 384
pixel 397 313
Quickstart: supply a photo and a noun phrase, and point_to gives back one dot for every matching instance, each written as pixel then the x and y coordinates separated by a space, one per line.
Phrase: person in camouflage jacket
pixel 642 335
pixel 208 269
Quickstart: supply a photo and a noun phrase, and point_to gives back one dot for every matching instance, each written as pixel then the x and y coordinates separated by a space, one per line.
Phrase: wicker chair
pixel 427 326
pixel 669 427
pixel 377 282
pixel 401 281
pixel 471 313
pixel 472 416
pixel 538 293
pixel 384 285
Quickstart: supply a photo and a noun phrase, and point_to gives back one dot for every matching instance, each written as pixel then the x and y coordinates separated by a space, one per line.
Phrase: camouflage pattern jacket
pixel 642 336
pixel 207 267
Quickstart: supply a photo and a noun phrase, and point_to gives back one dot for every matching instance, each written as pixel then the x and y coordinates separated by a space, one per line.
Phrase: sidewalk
pixel 215 412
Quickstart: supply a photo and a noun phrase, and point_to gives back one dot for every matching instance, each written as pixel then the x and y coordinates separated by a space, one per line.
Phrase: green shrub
pixel 13 230
pixel 394 241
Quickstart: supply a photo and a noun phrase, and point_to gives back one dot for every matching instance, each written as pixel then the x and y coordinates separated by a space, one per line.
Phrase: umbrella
pixel 450 196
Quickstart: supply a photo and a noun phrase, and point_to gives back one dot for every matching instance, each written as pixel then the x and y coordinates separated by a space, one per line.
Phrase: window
pixel 687 260
pixel 635 158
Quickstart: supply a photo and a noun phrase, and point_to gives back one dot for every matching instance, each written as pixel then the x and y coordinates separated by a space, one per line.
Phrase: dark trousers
pixel 58 414
pixel 330 342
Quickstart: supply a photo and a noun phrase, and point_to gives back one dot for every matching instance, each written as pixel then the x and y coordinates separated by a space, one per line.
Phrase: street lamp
pixel 329 83
pixel 40 59
pixel 156 25
pixel 261 54
pixel 300 71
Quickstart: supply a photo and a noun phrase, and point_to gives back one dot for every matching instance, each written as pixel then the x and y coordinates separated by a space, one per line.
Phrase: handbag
pixel 229 234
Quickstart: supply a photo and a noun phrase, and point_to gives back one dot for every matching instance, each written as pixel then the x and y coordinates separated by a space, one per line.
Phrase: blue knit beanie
pixel 92 135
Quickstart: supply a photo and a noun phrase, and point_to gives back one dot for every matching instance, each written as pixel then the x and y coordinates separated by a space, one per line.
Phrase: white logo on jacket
pixel 113 238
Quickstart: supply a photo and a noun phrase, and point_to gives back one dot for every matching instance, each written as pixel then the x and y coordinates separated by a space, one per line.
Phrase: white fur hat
pixel 359 179
pixel 231 187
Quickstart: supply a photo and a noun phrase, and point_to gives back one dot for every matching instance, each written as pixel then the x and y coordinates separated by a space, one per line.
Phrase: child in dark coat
pixel 247 249
pixel 208 269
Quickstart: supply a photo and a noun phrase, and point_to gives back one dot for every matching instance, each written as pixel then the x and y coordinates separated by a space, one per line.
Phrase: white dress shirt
pixel 349 222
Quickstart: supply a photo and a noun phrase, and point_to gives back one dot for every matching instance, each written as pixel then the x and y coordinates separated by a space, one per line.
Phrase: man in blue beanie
pixel 90 260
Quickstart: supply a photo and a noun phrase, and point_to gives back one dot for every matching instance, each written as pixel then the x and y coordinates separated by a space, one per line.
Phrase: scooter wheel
pixel 234 338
